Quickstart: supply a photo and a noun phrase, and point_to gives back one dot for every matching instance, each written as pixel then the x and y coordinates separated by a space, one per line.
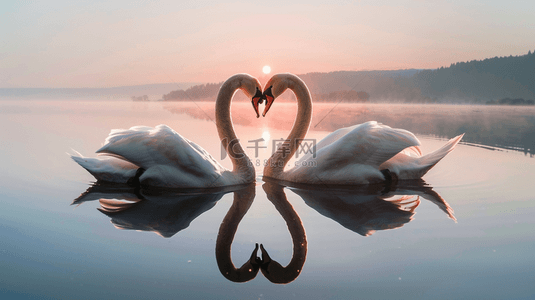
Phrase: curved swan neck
pixel 240 161
pixel 277 162
pixel 242 202
pixel 271 269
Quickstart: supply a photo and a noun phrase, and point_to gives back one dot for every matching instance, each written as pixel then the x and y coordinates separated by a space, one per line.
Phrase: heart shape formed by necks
pixel 271 269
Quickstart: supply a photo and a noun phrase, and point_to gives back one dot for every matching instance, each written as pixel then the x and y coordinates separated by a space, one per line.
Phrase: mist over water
pixel 500 127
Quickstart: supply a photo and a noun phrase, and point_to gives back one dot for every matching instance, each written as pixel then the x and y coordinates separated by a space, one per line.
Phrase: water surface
pixel 400 242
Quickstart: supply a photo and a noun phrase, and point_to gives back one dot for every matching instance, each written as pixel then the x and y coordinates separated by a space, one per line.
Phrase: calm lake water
pixel 361 243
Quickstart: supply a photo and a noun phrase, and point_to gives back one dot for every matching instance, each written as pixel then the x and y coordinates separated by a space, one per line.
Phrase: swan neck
pixel 275 272
pixel 277 162
pixel 240 161
pixel 242 202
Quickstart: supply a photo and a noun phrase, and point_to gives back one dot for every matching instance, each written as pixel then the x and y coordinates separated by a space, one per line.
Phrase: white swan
pixel 360 154
pixel 161 157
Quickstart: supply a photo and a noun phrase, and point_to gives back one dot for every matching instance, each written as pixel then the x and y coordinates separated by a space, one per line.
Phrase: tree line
pixel 349 96
pixel 206 91
pixel 485 81
pixel 481 81
pixel 509 101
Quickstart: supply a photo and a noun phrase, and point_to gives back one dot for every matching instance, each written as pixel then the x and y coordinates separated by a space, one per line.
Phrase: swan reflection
pixel 270 268
pixel 165 212
pixel 362 209
pixel 366 209
pixel 108 190
pixel 241 204
pixel 168 212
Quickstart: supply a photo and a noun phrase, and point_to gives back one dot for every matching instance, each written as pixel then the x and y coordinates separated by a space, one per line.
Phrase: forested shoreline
pixel 499 80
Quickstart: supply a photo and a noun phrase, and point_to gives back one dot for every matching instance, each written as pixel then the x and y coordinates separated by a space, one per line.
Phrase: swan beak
pixel 268 95
pixel 255 261
pixel 257 99
pixel 266 259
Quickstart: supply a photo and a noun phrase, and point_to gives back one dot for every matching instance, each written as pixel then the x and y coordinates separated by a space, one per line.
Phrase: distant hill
pixel 152 91
pixel 480 81
pixel 492 80
pixel 379 85
pixel 498 80
pixel 323 85
pixel 206 91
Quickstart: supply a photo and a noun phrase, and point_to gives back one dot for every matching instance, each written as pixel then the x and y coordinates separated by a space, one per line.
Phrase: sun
pixel 266 69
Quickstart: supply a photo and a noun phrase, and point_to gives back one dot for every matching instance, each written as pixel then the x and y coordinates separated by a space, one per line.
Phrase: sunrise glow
pixel 266 136
pixel 135 48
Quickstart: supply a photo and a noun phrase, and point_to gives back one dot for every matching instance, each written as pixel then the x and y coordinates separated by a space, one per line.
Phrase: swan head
pixel 251 87
pixel 275 87
pixel 268 95
pixel 276 273
pixel 248 84
pixel 257 99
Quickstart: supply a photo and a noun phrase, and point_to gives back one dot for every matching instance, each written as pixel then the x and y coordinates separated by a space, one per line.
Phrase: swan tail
pixel 423 190
pixel 106 169
pixel 90 164
pixel 430 160
pixel 441 203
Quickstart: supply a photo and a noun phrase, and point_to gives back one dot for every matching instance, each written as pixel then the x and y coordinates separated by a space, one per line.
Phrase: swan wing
pixel 334 136
pixel 149 147
pixel 369 143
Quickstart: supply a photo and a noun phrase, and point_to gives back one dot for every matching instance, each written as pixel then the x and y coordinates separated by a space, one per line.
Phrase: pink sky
pixel 98 44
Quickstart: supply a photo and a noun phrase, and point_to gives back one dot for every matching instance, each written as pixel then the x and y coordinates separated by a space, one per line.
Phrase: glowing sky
pixel 106 44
